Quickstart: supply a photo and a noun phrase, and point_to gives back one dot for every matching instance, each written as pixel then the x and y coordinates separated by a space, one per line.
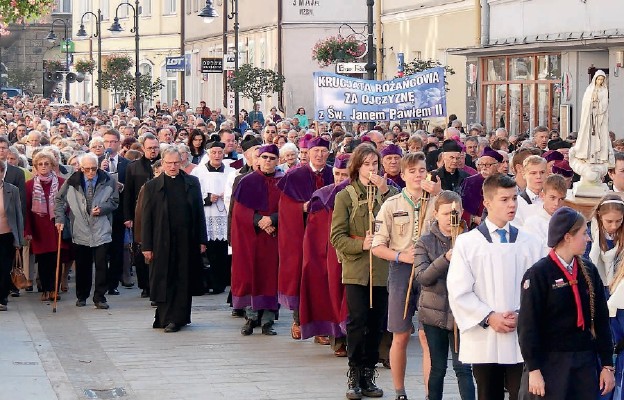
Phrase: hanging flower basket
pixel 18 11
pixel 85 66
pixel 337 49
pixel 53 66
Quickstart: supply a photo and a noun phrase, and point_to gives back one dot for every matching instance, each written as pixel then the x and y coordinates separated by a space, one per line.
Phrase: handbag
pixel 17 272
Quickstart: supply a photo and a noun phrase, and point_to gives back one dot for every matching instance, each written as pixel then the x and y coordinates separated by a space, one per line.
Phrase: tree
pixel 116 76
pixel 253 82
pixel 418 65
pixel 21 77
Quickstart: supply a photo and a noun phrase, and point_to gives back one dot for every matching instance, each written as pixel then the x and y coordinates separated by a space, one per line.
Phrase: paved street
pixel 82 353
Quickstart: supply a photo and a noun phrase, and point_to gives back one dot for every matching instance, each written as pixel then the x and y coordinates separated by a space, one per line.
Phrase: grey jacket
pixel 431 269
pixel 13 211
pixel 86 229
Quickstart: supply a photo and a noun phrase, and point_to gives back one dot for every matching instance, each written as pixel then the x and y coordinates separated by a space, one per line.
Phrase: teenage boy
pixel 483 284
pixel 534 168
pixel 397 230
pixel 553 196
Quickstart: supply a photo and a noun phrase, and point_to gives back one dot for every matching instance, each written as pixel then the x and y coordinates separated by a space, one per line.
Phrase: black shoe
pixel 238 313
pixel 153 304
pixel 367 383
pixel 401 397
pixel 145 294
pixel 353 384
pixel 127 285
pixel 81 303
pixel 171 327
pixel 267 329
pixel 247 329
pixel 15 293
pixel 29 289
pixel 102 305
pixel 113 292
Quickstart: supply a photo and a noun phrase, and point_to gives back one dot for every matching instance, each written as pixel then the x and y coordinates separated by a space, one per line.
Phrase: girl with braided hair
pixel 563 323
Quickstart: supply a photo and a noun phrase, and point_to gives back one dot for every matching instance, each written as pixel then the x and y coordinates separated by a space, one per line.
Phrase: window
pixel 196 6
pixel 187 6
pixel 105 8
pixel 169 7
pixel 146 9
pixel 521 92
pixel 123 11
pixel 63 6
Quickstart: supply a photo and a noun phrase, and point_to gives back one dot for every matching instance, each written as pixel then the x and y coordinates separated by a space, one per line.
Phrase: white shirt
pixel 535 198
pixel 112 163
pixel 537 224
pixel 492 228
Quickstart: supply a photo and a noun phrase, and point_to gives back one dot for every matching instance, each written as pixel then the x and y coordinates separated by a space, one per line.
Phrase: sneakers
pixel 353 384
pixel 367 383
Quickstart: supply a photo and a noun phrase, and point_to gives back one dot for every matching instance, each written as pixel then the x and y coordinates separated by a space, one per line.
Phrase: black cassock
pixel 173 228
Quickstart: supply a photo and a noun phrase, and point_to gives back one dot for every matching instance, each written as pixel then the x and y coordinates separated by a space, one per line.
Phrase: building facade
pixel 427 29
pixel 529 73
pixel 160 36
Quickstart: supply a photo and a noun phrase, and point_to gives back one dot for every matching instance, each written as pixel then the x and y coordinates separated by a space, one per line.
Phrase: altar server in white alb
pixel 212 178
pixel 484 283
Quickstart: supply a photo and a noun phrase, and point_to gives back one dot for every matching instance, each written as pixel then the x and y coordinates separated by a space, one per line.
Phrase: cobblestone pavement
pixel 82 353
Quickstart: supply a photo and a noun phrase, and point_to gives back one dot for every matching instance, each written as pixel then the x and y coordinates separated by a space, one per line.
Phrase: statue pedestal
pixel 589 189
pixel 584 205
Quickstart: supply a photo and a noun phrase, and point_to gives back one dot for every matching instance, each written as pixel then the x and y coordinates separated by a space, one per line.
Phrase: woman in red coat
pixel 39 227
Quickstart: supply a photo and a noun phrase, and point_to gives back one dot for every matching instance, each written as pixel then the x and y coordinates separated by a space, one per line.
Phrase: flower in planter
pixel 337 49
pixel 85 66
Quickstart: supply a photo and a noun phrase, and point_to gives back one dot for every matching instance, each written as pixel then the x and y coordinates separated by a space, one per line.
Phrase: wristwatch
pixel 486 321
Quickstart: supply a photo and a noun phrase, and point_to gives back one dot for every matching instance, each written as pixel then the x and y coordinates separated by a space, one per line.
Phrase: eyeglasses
pixel 97 146
pixel 487 165
pixel 265 157
pixel 44 164
pixel 402 140
pixel 89 169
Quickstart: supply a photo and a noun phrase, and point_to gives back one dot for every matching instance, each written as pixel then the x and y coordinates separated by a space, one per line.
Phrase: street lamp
pixel 370 66
pixel 82 33
pixel 209 14
pixel 52 38
pixel 115 29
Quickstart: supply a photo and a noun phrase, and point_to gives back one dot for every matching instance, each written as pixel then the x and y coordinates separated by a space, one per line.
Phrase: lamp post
pixel 115 29
pixel 52 38
pixel 98 33
pixel 208 13
pixel 370 66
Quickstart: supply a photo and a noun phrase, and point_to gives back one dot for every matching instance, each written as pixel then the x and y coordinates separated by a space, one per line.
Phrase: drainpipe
pixel 280 15
pixel 478 22
pixel 225 50
pixel 485 23
pixel 182 38
pixel 379 41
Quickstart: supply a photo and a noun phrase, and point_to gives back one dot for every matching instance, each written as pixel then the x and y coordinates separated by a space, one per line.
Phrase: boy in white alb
pixel 483 284
pixel 534 171
pixel 553 195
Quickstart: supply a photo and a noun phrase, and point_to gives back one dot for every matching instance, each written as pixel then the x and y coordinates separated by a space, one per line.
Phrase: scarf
pixel 573 280
pixel 40 206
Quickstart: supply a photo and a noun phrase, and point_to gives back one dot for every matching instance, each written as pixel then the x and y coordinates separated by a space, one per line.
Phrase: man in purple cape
pixel 391 162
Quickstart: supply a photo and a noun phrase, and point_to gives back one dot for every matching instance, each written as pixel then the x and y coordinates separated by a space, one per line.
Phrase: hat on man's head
pixel 553 155
pixel 303 142
pixel 341 161
pixel 451 146
pixel 563 168
pixel 215 144
pixel 318 142
pixel 250 141
pixel 269 148
pixel 392 149
pixel 560 223
pixel 489 152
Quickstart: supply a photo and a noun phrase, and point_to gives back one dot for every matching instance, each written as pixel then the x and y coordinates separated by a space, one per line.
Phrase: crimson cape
pixel 254 252
pixel 297 187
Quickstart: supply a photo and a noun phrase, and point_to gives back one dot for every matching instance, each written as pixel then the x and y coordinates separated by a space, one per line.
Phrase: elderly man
pixel 165 136
pixel 450 176
pixel 173 236
pixel 297 188
pixel 391 163
pixel 212 177
pixel 540 137
pixel 377 138
pixel 472 187
pixel 91 195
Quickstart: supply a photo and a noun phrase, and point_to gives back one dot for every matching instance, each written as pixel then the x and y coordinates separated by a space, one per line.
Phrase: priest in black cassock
pixel 173 237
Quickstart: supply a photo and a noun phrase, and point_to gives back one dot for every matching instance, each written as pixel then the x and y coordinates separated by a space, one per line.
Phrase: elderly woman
pixel 96 146
pixel 288 154
pixel 11 233
pixel 39 227
pixel 186 163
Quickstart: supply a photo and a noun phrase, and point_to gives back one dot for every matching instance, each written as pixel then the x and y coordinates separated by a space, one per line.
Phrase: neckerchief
pixel 417 206
pixel 572 279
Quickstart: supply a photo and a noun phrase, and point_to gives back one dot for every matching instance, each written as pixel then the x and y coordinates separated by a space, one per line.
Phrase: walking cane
pixel 58 264
pixel 370 199
pixel 455 231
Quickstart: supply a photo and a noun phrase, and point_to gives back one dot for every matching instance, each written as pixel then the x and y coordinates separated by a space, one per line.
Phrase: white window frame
pixel 123 12
pixel 170 7
pixel 146 8
pixel 105 9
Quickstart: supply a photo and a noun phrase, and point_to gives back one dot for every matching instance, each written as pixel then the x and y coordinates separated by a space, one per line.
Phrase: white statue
pixel 592 155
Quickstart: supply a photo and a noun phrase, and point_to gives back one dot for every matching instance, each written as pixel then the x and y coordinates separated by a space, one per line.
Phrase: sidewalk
pixel 82 353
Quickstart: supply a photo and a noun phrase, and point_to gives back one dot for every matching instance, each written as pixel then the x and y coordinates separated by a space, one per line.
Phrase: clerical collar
pixel 270 173
pixel 172 176
pixel 314 169
pixel 220 168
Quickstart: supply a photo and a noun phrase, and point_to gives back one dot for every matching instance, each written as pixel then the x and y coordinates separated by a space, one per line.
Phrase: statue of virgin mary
pixel 593 144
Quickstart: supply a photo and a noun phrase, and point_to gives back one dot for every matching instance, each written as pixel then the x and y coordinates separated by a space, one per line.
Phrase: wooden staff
pixel 370 199
pixel 455 230
pixel 58 264
pixel 422 211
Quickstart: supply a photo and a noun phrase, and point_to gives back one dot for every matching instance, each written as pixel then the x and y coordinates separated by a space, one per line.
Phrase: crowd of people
pixel 355 228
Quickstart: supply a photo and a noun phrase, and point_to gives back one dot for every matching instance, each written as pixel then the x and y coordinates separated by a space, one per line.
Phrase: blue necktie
pixel 503 235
